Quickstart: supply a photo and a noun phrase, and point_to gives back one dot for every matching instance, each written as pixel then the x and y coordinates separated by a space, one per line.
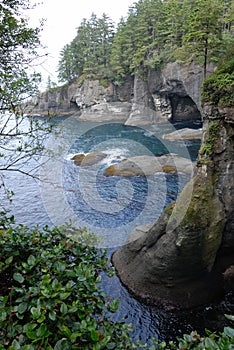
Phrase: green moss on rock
pixel 218 89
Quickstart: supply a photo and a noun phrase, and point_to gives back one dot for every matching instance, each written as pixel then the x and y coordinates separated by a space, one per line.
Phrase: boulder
pixel 78 158
pixel 88 159
pixel 150 165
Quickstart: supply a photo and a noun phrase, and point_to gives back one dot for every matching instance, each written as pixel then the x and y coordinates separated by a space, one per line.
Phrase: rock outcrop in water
pixel 172 93
pixel 149 165
pixel 183 260
pixel 184 134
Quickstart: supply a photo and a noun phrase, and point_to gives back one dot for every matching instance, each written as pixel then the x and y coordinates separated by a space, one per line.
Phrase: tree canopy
pixel 18 44
pixel 19 136
pixel 89 52
pixel 154 32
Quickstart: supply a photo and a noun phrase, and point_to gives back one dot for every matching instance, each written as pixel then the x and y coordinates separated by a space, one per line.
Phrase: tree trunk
pixel 180 261
pixel 205 58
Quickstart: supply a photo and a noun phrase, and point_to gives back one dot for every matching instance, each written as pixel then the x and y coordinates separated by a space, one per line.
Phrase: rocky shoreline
pixel 172 93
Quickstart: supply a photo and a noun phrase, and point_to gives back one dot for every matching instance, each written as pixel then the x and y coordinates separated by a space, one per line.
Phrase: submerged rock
pixel 150 165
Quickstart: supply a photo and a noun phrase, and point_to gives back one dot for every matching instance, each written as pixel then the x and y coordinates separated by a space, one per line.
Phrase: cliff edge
pixel 172 93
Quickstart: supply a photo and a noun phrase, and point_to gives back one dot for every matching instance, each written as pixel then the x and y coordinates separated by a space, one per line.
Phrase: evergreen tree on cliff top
pixel 89 52
pixel 204 26
pixel 155 32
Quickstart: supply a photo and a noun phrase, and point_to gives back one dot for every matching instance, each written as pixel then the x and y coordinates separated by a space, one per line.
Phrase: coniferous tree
pixel 67 64
pixel 89 52
pixel 203 29
pixel 155 32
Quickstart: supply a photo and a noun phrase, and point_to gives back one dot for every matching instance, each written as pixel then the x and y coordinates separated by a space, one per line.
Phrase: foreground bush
pixel 49 293
pixel 50 296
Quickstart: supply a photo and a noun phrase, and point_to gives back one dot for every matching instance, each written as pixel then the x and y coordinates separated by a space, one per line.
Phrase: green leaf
pixel 66 331
pixel 56 285
pixel 230 317
pixel 113 305
pixel 19 316
pixel 18 277
pixel 22 308
pixel 83 324
pixel 229 331
pixel 69 284
pixel 36 312
pixel 31 260
pixel 52 316
pixel 3 316
pixel 63 308
pixel 29 329
pixel 9 260
pixel 43 331
pixel 94 335
pixel 210 344
pixel 41 318
pixel 15 345
pixel 73 309
pixel 25 265
pixel 62 344
pixel 64 296
pixel 60 266
pixel 81 278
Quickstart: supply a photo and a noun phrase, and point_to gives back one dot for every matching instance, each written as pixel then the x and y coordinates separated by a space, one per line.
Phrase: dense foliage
pixel 90 50
pixel 218 89
pixel 18 44
pixel 49 292
pixel 154 32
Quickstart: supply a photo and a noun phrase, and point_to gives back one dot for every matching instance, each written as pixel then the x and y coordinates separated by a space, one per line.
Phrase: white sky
pixel 62 18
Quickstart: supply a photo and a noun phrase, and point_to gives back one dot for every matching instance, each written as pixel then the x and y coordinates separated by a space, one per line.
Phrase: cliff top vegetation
pixel 218 89
pixel 152 34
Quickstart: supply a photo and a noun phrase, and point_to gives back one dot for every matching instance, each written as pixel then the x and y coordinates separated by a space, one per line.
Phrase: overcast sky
pixel 62 18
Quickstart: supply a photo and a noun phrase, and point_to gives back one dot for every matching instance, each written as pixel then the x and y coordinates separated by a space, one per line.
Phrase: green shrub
pixel 218 89
pixel 50 296
pixel 210 140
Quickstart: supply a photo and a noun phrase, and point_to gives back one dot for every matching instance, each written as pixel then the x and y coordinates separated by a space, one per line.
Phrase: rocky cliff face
pixel 181 261
pixel 172 94
pixel 169 94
